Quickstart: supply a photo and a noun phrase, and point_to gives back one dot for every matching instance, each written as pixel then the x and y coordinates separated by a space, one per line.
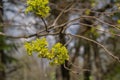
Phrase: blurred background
pixel 90 29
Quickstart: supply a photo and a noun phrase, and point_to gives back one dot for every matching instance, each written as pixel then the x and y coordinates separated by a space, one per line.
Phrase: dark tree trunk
pixel 2 72
pixel 87 62
pixel 65 72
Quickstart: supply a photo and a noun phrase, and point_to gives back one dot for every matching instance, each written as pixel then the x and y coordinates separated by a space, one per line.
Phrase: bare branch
pixel 88 39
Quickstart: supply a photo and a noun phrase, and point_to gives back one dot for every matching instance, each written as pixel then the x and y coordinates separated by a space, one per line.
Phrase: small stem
pixel 45 24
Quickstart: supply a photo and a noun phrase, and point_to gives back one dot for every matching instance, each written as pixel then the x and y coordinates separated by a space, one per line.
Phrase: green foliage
pixel 118 21
pixel 57 55
pixel 111 30
pixel 38 7
pixel 93 3
pixel 87 12
pixel 117 15
pixel 39 45
pixel 94 31
pixel 114 74
pixel 60 54
pixel 53 76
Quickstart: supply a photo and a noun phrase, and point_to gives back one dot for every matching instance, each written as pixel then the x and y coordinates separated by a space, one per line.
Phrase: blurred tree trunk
pixel 65 72
pixel 87 62
pixel 97 61
pixel 85 30
pixel 2 71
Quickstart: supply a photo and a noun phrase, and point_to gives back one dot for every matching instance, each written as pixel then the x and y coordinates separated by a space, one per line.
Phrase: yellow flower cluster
pixel 38 7
pixel 57 55
pixel 60 54
pixel 37 45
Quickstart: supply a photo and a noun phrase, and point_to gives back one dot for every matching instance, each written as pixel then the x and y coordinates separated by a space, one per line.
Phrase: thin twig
pixel 61 13
pixel 44 24
pixel 70 39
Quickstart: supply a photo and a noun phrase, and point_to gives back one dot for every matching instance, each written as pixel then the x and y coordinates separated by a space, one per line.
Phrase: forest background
pixel 87 30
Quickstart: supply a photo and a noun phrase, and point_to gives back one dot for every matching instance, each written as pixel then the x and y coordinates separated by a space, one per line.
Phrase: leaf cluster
pixel 38 7
pixel 57 54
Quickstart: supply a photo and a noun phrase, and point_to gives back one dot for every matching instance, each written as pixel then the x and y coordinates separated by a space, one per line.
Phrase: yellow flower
pixel 38 7
pixel 118 21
